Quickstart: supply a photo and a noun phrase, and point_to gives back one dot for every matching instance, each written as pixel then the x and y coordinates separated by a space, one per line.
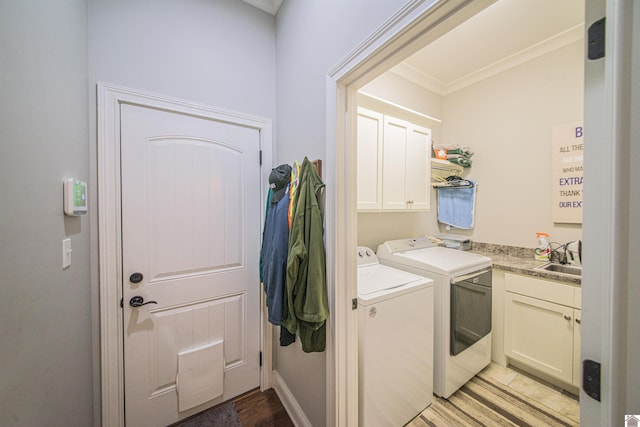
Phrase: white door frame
pixel 411 28
pixel 419 22
pixel 110 98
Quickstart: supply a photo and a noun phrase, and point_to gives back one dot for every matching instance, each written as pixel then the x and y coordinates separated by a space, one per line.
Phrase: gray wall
pixel 45 311
pixel 220 53
pixel 312 37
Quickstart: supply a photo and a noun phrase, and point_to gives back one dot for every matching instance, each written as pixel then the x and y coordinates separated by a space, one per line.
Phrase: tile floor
pixel 551 396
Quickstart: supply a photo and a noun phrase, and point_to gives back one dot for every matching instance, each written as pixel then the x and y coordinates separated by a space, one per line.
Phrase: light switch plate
pixel 66 253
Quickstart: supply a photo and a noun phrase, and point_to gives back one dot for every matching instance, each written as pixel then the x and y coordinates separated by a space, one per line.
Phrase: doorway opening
pixel 375 79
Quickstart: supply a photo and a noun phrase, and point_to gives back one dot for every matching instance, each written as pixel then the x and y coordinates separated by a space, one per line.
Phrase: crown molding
pixel 537 50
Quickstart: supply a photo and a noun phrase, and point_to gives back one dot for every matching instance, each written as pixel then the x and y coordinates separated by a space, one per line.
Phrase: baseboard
pixel 289 402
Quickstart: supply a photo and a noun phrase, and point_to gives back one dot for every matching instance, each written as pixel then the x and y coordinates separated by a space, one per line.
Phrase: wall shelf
pixel 441 169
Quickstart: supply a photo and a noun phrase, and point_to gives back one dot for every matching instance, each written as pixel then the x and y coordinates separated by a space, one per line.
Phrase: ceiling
pixel 269 6
pixel 505 34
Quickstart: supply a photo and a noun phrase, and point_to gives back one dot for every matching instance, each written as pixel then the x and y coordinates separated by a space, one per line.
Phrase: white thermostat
pixel 75 197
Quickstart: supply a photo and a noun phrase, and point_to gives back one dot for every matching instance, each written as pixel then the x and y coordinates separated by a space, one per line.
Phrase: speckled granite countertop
pixel 519 260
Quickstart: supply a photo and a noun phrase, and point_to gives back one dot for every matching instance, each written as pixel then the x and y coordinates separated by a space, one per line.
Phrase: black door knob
pixel 136 278
pixel 138 301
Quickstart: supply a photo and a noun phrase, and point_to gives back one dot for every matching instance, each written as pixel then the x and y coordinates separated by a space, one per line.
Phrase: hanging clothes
pixel 295 173
pixel 275 239
pixel 306 302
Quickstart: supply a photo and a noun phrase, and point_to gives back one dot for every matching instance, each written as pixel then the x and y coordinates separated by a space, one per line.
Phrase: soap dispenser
pixel 543 250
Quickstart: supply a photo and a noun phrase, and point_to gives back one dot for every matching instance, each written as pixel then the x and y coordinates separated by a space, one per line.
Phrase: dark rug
pixel 220 416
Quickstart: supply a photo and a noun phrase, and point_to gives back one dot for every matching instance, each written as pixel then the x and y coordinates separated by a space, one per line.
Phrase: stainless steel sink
pixel 561 268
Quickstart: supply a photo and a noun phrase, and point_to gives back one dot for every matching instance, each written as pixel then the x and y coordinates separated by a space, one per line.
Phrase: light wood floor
pixel 538 390
pixel 264 409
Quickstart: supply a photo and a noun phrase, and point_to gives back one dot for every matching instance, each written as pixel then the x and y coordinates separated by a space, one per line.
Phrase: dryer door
pixel 470 310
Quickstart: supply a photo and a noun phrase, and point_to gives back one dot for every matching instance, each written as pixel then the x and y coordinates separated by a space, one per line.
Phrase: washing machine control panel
pixel 366 256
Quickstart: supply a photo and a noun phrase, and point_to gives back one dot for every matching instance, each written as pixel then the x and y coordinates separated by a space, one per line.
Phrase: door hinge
pixel 121 303
pixel 591 378
pixel 260 157
pixel 260 358
pixel 354 303
pixel 595 37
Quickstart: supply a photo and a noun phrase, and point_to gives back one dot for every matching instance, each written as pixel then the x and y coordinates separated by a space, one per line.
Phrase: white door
pixel 191 228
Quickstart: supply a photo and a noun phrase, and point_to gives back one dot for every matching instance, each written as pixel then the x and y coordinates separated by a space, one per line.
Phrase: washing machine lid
pixel 379 282
pixel 419 253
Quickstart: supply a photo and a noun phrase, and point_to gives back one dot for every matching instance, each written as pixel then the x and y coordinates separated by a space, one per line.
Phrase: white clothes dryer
pixel 395 343
pixel 462 311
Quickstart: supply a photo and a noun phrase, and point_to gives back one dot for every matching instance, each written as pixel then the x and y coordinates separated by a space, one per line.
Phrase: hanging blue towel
pixel 456 206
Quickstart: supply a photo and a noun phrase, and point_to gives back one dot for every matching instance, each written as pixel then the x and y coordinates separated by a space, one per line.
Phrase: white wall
pixel 220 53
pixel 45 311
pixel 312 37
pixel 507 121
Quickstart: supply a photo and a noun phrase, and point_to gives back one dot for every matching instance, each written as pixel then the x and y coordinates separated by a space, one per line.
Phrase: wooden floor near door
pixel 263 409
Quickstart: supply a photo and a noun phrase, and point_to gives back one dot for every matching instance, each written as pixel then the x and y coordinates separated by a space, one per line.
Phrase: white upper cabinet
pixel 370 125
pixel 393 163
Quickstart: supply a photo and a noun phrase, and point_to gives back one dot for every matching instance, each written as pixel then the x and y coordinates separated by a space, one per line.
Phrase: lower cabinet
pixel 542 326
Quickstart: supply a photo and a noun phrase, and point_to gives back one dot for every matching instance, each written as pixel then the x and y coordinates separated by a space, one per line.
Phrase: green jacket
pixel 306 302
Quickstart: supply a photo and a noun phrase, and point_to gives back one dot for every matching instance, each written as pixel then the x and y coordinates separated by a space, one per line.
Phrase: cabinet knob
pixel 567 317
pixel 578 321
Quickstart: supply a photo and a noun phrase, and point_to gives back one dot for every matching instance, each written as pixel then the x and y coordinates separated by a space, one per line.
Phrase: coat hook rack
pixel 318 164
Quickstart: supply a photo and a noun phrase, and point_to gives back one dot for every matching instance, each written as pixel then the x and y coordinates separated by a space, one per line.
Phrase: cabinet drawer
pixel 545 290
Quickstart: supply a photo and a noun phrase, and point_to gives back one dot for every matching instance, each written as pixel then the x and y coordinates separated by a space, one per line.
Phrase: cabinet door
pixel 369 146
pixel 418 167
pixel 540 334
pixel 406 165
pixel 396 136
pixel 577 319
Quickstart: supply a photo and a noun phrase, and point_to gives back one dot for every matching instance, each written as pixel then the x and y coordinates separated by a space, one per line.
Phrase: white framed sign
pixel 567 162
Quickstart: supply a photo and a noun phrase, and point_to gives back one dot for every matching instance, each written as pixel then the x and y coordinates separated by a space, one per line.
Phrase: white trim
pixel 612 209
pixel 422 78
pixel 394 106
pixel 110 98
pixel 289 402
pixel 411 28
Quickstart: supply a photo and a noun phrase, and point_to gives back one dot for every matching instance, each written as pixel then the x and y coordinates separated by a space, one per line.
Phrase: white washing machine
pixel 462 282
pixel 395 343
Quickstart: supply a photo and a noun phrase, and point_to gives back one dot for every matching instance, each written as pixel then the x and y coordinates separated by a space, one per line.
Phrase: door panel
pixel 369 141
pixel 191 226
pixel 538 333
pixel 418 168
pixel 394 165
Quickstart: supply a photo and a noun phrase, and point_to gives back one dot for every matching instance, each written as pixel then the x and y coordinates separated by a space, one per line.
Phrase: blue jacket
pixel 275 240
